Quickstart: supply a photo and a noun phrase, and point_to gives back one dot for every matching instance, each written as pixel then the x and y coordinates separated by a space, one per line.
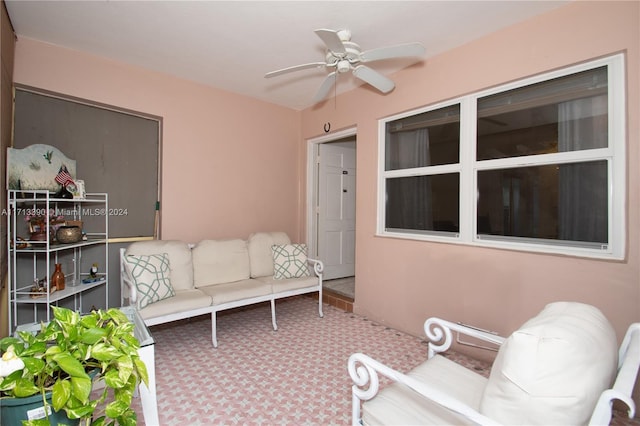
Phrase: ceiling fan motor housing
pixel 344 61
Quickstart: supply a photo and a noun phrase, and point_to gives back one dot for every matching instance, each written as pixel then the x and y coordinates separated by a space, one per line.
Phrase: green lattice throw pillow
pixel 151 276
pixel 289 261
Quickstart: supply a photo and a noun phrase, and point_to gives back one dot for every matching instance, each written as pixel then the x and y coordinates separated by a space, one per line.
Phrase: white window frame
pixel 468 167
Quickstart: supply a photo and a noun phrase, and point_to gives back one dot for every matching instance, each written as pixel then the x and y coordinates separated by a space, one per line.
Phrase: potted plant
pixel 61 361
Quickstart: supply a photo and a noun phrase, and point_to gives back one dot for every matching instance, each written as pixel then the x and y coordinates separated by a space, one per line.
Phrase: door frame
pixel 312 183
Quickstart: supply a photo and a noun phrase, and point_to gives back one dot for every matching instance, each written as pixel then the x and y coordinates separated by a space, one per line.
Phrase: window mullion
pixel 382 199
pixel 467 168
pixel 542 159
pixel 617 164
pixel 422 171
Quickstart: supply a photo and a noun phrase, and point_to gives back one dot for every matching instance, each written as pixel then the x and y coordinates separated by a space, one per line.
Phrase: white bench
pixel 212 276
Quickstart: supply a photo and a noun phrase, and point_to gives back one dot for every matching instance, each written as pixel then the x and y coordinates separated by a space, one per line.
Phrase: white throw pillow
pixel 151 276
pixel 552 370
pixel 289 261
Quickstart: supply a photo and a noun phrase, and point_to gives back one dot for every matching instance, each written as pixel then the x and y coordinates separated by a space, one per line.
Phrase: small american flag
pixel 63 177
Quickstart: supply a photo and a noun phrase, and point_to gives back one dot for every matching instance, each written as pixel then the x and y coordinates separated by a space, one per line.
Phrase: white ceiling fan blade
pixel 325 87
pixel 294 68
pixel 331 40
pixel 397 51
pixel 374 78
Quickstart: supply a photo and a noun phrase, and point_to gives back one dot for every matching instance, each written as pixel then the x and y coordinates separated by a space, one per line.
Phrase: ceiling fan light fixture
pixel 343 66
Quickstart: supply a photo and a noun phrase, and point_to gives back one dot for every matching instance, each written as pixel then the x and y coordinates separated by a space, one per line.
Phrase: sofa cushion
pixel 235 291
pixel 398 404
pixel 289 261
pixel 220 261
pixel 279 286
pixel 553 369
pixel 151 276
pixel 182 303
pixel 179 259
pixel 260 251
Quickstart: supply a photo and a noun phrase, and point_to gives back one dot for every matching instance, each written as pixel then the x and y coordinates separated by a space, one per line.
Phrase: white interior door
pixel 337 208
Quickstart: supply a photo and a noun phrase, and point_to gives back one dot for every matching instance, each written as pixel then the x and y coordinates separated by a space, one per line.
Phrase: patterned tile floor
pixel 257 376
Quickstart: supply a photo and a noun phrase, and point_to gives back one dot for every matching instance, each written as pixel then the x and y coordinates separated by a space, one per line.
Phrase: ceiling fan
pixel 344 55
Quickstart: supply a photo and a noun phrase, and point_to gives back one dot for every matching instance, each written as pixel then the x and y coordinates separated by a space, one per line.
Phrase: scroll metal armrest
pixel 318 266
pixel 439 330
pixel 130 293
pixel 127 287
pixel 622 390
pixel 364 373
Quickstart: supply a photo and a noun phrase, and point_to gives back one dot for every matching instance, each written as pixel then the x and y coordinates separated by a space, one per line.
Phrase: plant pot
pixel 14 410
pixel 38 236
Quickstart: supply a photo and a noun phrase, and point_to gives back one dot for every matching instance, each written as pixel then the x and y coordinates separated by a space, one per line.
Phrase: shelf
pixel 38 259
pixel 41 246
pixel 69 290
pixel 37 196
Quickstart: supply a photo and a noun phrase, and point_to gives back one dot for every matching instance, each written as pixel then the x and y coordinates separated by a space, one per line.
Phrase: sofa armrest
pixel 318 266
pixel 439 330
pixel 364 372
pixel 622 389
pixel 127 287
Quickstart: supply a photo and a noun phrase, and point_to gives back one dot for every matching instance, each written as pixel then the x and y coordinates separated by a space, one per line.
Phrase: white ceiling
pixel 232 44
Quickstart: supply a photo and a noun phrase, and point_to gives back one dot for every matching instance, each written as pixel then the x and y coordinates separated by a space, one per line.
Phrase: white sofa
pixel 562 367
pixel 173 280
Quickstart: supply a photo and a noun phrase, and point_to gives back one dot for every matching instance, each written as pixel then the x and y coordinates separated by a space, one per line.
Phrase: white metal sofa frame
pixel 128 288
pixel 364 373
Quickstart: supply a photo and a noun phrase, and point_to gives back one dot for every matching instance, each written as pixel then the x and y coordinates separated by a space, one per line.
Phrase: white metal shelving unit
pixel 42 255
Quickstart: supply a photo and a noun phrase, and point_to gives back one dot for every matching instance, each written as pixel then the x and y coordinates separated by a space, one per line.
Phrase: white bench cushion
pixel 552 370
pixel 183 301
pixel 179 259
pixel 260 251
pixel 290 283
pixel 398 405
pixel 239 290
pixel 220 261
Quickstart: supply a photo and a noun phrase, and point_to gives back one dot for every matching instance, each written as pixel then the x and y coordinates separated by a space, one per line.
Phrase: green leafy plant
pixel 64 355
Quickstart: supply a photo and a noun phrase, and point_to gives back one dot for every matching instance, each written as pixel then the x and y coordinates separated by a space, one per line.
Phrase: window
pixel 534 165
pixel 424 197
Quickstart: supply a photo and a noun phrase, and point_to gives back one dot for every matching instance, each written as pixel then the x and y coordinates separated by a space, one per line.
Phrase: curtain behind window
pixel 582 200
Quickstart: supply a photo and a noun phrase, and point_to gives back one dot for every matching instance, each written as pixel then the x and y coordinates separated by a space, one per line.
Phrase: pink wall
pixel 229 162
pixel 400 282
